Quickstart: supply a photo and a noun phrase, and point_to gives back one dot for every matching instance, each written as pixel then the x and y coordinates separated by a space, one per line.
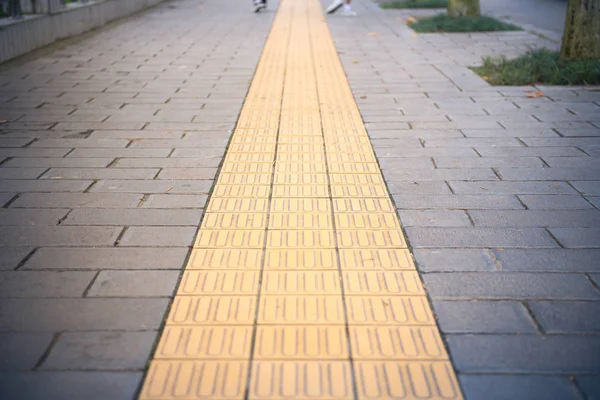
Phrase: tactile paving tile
pixel 300 284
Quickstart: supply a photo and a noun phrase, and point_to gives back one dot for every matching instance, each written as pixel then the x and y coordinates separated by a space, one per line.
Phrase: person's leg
pixel 348 9
pixel 259 5
pixel 333 7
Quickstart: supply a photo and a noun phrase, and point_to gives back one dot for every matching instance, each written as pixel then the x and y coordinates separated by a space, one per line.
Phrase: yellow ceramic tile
pixel 251 191
pixel 301 283
pixel 382 283
pixel 410 380
pixel 253 140
pixel 374 259
pixel 312 191
pixel 301 168
pixel 363 206
pixel 231 239
pixel 301 259
pixel 212 310
pixel 321 239
pixel 353 168
pixel 361 239
pixel 200 282
pixel 398 343
pixel 301 342
pixel 300 148
pixel 299 179
pixel 302 220
pixel 345 221
pixel 225 259
pixel 204 342
pixel 250 157
pixel 358 179
pixel 300 310
pixel 237 205
pixel 300 205
pixel 247 168
pixel 301 157
pixel 251 148
pixel 244 179
pixel 323 380
pixel 359 157
pixel 232 220
pixel 359 191
pixel 389 310
pixel 195 380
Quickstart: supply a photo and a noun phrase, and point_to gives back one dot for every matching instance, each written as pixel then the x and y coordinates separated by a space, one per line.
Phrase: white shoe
pixel 350 13
pixel 334 6
pixel 259 5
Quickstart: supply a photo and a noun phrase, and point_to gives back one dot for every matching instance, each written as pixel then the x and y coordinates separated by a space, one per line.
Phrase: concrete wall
pixel 24 36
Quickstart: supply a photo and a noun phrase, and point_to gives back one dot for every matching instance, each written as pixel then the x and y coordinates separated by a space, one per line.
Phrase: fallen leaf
pixel 535 95
pixel 487 78
pixel 169 189
pixel 541 133
pixel 354 61
pixel 414 36
pixel 363 97
pixel 410 20
pixel 373 34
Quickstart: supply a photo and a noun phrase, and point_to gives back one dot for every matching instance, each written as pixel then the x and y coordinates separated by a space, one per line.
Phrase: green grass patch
pixel 416 4
pixel 445 23
pixel 539 67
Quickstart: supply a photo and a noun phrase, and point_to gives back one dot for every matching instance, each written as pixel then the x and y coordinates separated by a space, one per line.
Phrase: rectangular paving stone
pixel 479 237
pixel 557 260
pixel 95 258
pixel 468 174
pixel 473 142
pixel 535 218
pixel 509 188
pixel 483 317
pixel 81 143
pixel 31 185
pixel 134 284
pixel 557 317
pixel 100 351
pixel 502 151
pixel 92 216
pixel 205 162
pixel 525 354
pixel 158 236
pixel 118 152
pixel 5 198
pixel 100 173
pixel 555 202
pixel 445 260
pixel 454 201
pixel 10 257
pixel 48 162
pixel 77 200
pixel 509 285
pixel 577 237
pixel 434 218
pixel 194 201
pixel 21 173
pixel 17 217
pixel 153 186
pixel 33 152
pixel 54 314
pixel 590 188
pixel 44 284
pixel 22 350
pixel 57 236
pixel 187 173
pixel 89 385
pixel 548 174
pixel 394 152
pixel 432 187
pixel 486 162
pixel 507 387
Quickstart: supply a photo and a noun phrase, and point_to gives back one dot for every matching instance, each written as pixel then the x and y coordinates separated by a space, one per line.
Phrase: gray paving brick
pixel 473 142
pixel 10 257
pixel 44 284
pixel 416 175
pixel 532 218
pixel 88 314
pixel 577 237
pixel 30 217
pixel 187 173
pixel 513 387
pixel 456 201
pixel 480 237
pixel 80 143
pixel 408 162
pixel 77 200
pixel 434 218
pixel 502 151
pixel 21 173
pixel 573 162
pixel 567 317
pixel 134 284
pixel 133 217
pixel 555 202
pixel 483 317
pixel 591 188
pixel 44 186
pixel 525 353
pixel 130 135
pixel 422 134
pixel 414 187
pixel 548 174
pixel 158 236
pixel 212 162
pixel 400 146
pixel 197 152
pixel 441 260
pixel 59 162
pixel 509 285
pixel 57 235
pixel 578 142
pixel 558 260
pixel 100 351
pixel 385 152
pixel 101 173
pixel 497 187
pixel 96 258
pixel 22 350
pixel 5 198
pixel 128 152
pixel 487 162
pixel 194 201
pixel 109 126
pixel 176 143
pixel 590 386
pixel 150 186
pixel 70 385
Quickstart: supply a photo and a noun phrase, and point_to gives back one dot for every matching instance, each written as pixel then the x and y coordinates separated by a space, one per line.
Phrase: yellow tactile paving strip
pixel 300 285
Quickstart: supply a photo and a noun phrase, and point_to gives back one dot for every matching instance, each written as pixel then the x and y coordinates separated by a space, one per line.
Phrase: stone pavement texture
pixel 112 144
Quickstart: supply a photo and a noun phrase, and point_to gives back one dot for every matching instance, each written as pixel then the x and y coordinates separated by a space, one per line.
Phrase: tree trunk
pixel 459 8
pixel 581 40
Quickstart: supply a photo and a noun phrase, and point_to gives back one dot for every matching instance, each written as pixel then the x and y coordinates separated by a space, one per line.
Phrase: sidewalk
pixel 113 143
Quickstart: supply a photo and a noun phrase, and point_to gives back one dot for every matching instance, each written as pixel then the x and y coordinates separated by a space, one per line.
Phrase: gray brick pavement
pixel 504 227
pixel 112 146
